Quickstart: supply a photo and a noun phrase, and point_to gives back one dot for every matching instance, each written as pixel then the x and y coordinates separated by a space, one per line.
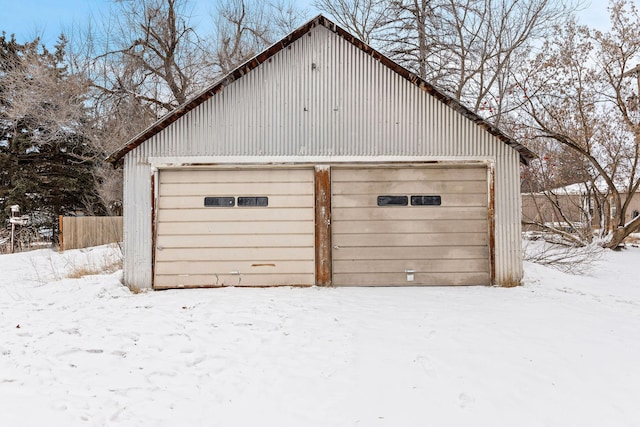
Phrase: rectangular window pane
pixel 393 200
pixel 426 201
pixel 253 201
pixel 219 202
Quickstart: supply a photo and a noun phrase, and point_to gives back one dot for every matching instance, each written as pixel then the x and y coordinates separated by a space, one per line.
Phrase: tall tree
pixel 583 95
pixel 243 28
pixel 366 19
pixel 472 49
pixel 149 50
pixel 45 158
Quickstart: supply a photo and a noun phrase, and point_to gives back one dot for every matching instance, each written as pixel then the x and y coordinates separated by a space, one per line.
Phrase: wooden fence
pixel 84 231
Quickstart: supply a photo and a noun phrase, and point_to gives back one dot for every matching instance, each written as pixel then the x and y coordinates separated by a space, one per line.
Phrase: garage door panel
pixel 275 201
pixel 235 215
pixel 175 281
pixel 448 200
pixel 235 241
pixel 411 239
pixel 418 265
pixel 236 189
pixel 191 176
pixel 411 174
pixel 226 228
pixel 199 268
pixel 257 255
pixel 403 253
pixel 423 279
pixel 412 187
pixel 409 213
pixel 426 226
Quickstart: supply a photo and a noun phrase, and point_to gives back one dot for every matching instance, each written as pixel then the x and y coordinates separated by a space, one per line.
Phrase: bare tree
pixel 243 28
pixel 37 86
pixel 582 96
pixel 142 59
pixel 148 50
pixel 556 196
pixel 473 48
pixel 366 19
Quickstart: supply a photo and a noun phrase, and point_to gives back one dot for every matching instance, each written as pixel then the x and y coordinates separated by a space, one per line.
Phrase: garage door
pixel 410 226
pixel 235 228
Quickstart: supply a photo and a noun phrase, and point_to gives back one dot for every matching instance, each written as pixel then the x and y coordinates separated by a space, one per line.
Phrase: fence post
pixel 13 232
pixel 61 235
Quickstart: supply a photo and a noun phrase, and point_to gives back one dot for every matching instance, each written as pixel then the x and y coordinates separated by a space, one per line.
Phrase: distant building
pixel 573 207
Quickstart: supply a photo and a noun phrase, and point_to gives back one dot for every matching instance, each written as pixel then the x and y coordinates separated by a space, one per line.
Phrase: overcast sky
pixel 47 18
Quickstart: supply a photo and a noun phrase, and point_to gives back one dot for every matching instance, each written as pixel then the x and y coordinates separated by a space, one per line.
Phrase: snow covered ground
pixel 559 351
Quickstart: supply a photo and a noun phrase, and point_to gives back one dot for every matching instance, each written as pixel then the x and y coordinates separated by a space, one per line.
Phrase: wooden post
pixel 60 235
pixel 491 173
pixel 13 232
pixel 323 225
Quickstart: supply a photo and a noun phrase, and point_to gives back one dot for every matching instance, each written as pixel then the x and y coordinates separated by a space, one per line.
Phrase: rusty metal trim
pixel 323 225
pixel 154 217
pixel 491 208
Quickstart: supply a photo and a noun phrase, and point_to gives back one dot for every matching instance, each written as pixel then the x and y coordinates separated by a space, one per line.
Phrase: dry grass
pixel 89 270
pixel 509 282
pixel 136 290
pixel 108 262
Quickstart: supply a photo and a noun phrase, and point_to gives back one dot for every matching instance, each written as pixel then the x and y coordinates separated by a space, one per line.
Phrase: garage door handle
pixel 159 248
pixel 336 247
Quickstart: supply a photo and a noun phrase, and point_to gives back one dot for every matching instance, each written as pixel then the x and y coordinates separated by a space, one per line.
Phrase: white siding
pixel 324 97
pixel 137 223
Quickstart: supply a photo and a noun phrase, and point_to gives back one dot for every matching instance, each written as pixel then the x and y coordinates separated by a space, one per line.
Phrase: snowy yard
pixel 559 351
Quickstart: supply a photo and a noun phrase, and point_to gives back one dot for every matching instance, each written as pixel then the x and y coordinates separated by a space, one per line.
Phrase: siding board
pixel 421 279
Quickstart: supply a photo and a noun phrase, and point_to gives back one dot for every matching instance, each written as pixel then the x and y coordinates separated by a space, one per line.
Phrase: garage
pixel 321 162
pixel 410 226
pixel 245 227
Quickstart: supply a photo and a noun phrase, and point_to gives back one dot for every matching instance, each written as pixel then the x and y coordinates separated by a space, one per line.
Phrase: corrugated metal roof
pixel 115 158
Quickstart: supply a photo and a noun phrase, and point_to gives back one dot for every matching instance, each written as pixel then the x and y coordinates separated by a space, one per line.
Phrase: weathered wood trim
pixel 291 162
pixel 491 209
pixel 323 225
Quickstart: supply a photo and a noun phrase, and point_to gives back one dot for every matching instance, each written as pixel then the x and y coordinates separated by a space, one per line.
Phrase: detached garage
pixel 321 162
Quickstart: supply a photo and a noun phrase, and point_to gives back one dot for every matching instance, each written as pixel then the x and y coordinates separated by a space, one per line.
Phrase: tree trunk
pixel 622 232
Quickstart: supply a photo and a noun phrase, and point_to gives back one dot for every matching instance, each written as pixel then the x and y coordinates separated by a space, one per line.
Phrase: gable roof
pixel 116 157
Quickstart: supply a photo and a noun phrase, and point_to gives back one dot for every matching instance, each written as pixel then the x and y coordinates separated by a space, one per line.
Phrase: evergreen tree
pixel 46 161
